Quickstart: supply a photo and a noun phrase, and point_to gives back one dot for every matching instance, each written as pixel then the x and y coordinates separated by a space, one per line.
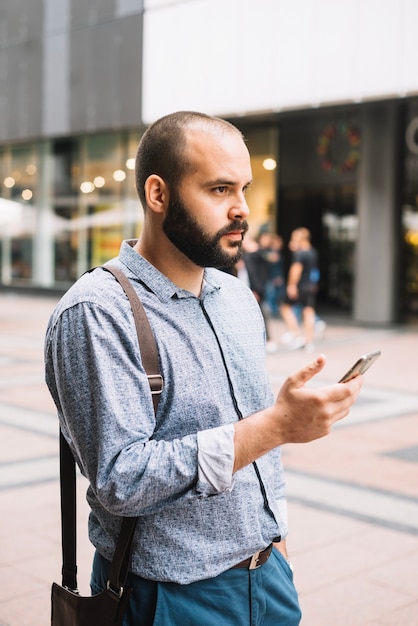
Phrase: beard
pixel 203 249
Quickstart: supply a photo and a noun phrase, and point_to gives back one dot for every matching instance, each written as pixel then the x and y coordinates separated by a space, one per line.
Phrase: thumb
pixel 301 377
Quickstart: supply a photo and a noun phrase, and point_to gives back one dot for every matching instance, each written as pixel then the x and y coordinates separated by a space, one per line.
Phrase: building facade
pixel 325 93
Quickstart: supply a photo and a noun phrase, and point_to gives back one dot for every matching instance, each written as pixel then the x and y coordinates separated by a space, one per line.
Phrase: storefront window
pixel 410 255
pixel 107 186
pixel 320 157
pixel 261 196
pixel 18 179
pixel 65 206
pixel 339 236
pixel 409 216
pixel 96 203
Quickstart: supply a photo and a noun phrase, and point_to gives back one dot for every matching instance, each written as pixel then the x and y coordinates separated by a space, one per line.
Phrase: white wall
pixel 231 57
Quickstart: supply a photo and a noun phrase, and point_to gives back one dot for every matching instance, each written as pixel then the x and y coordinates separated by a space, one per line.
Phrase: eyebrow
pixel 219 182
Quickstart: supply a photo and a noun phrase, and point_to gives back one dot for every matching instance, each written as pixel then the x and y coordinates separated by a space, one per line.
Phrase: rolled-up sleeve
pixel 215 460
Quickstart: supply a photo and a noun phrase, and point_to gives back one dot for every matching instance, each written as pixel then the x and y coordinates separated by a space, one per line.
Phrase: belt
pixel 256 560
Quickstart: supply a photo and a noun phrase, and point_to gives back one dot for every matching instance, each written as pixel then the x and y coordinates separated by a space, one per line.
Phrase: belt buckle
pixel 254 563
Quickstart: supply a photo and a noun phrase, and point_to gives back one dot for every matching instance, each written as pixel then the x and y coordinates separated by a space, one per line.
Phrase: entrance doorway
pixel 330 215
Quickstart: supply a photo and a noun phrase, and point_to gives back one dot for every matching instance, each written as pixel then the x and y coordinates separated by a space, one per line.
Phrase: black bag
pixel 71 609
pixel 107 608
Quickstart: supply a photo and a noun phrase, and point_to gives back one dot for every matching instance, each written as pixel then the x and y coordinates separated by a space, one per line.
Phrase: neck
pixel 171 262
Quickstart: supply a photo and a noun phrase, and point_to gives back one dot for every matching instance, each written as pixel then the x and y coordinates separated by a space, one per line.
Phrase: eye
pixel 221 189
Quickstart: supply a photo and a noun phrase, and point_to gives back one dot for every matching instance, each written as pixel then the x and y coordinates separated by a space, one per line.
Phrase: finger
pixel 354 387
pixel 355 384
pixel 301 377
pixel 349 389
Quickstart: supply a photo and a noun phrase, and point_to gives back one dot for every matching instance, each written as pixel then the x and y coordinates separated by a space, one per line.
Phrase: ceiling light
pixel 119 175
pixel 99 181
pixel 27 194
pixel 86 187
pixel 269 164
pixel 9 182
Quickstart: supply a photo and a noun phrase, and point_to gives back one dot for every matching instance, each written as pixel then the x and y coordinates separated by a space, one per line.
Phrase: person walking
pixel 301 289
pixel 254 268
pixel 275 286
pixel 204 475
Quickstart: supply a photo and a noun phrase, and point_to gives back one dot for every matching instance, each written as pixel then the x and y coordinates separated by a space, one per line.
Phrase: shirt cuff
pixel 282 507
pixel 215 459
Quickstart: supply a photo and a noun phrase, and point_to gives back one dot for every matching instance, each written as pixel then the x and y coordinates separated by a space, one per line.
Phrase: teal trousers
pixel 239 597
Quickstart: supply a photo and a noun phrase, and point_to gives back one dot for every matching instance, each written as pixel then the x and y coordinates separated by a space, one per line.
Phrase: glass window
pixel 410 256
pixel 18 178
pixel 261 196
pixel 95 200
pixel 66 167
pixel 409 216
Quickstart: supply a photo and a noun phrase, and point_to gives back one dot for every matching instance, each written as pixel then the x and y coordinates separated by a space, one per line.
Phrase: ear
pixel 156 193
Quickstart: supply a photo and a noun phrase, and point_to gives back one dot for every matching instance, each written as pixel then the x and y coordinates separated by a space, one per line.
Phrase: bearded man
pixel 204 474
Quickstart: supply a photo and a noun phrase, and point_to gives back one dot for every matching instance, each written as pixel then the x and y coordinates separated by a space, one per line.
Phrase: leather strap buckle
pixel 156 383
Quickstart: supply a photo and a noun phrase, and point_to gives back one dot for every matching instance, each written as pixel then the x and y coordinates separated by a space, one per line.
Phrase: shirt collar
pixel 157 282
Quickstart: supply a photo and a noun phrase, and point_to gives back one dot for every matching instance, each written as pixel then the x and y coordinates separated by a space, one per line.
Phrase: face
pixel 203 248
pixel 265 240
pixel 294 243
pixel 206 214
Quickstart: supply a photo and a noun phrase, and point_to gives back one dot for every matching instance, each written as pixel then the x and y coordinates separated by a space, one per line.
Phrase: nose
pixel 240 208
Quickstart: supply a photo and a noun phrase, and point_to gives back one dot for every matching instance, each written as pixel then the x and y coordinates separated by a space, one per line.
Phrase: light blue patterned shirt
pixel 174 470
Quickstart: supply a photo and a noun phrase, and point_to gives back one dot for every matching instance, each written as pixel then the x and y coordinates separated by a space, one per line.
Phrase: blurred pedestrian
pixel 301 290
pixel 255 268
pixel 275 286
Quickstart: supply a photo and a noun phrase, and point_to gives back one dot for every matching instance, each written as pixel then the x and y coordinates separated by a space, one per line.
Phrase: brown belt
pixel 256 560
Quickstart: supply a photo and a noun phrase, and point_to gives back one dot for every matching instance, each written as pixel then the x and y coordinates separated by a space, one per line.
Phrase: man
pixel 204 475
pixel 301 290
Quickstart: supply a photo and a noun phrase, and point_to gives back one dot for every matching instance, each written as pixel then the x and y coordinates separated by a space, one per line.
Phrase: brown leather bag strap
pixel 121 558
pixel 146 340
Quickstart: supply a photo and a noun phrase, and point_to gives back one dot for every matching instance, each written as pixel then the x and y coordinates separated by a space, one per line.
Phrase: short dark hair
pixel 303 233
pixel 161 150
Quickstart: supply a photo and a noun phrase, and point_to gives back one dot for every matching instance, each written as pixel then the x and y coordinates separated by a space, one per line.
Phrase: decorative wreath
pixel 324 148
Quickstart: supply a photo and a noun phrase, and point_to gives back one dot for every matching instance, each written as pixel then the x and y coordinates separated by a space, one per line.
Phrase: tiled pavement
pixel 353 496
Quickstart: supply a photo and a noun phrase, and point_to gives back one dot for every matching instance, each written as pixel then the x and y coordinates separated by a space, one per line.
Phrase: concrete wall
pixel 231 57
pixel 68 66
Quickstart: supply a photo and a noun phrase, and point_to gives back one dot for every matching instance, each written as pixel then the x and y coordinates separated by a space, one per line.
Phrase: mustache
pixel 233 227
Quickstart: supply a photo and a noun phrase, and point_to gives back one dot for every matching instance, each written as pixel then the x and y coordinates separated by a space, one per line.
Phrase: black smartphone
pixel 360 366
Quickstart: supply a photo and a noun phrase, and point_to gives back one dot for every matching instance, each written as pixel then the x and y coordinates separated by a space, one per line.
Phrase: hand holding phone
pixel 360 366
